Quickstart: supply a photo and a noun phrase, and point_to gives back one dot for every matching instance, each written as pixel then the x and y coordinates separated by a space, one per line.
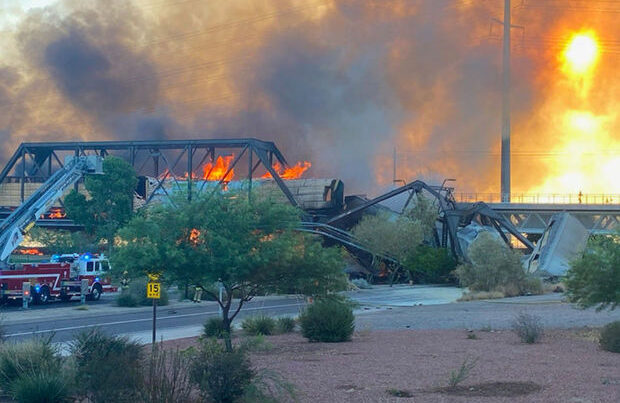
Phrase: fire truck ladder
pixel 23 218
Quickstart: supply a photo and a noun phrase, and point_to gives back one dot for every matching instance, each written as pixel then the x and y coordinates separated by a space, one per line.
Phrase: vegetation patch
pixel 214 327
pixel 259 325
pixel 610 337
pixel 528 327
pixel 496 268
pixel 328 320
pixel 285 324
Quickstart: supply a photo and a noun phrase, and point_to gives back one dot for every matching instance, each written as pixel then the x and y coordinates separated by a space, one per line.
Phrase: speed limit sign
pixel 153 290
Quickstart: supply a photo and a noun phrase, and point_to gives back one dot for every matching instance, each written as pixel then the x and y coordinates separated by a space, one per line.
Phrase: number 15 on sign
pixel 153 290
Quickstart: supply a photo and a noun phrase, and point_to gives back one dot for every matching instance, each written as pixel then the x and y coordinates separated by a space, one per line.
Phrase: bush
pixel 610 337
pixel 30 357
pixel 285 324
pixel 221 376
pixel 41 387
pixel 430 265
pixel 328 320
pixel 214 327
pixel 127 299
pixel 495 267
pixel 594 279
pixel 528 327
pixel 136 295
pixel 259 325
pixel 167 379
pixel 108 368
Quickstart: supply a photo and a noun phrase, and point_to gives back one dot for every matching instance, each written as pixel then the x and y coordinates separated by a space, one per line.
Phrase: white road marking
pixel 142 320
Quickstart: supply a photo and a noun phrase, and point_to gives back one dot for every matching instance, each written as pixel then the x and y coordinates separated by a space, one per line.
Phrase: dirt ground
pixel 415 365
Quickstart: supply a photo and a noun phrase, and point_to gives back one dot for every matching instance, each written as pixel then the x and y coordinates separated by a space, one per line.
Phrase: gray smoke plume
pixel 339 83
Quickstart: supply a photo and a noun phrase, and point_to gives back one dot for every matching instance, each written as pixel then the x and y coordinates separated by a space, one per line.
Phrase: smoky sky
pixel 342 84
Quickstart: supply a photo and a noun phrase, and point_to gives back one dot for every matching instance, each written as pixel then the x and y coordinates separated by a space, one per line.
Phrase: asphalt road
pixel 400 307
pixel 63 322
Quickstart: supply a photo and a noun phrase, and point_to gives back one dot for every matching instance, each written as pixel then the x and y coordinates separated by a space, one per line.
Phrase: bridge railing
pixel 542 198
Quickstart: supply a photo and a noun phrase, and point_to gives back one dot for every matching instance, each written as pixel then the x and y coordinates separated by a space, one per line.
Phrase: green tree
pixel 61 241
pixel 424 211
pixel 496 267
pixel 594 279
pixel 250 246
pixel 430 265
pixel 109 205
pixel 395 236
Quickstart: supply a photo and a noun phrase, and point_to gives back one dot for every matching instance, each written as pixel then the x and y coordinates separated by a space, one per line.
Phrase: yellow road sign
pixel 153 276
pixel 153 290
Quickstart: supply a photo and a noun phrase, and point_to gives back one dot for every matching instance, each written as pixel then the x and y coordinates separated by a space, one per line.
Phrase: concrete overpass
pixel 532 218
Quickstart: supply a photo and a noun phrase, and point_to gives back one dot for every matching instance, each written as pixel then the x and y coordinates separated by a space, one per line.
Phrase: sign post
pixel 83 290
pixel 153 291
pixel 25 294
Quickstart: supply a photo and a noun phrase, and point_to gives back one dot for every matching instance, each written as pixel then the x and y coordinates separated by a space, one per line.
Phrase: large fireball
pixel 581 53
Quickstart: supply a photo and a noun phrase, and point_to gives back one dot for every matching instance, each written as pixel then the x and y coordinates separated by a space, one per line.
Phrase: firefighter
pixel 197 294
pixel 125 280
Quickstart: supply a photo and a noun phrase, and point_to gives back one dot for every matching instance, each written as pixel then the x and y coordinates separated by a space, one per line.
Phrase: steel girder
pixel 161 159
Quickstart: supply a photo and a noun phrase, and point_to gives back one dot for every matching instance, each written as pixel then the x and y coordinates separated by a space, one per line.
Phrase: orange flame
pixel 57 213
pixel 216 172
pixel 31 251
pixel 193 236
pixel 294 172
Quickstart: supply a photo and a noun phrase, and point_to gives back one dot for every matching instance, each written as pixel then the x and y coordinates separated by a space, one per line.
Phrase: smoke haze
pixel 339 83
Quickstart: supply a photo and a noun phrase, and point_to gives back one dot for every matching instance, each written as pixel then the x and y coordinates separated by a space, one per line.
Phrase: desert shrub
pixel 495 267
pixel 258 325
pixel 610 337
pixel 361 283
pixel 269 387
pixel 41 387
pixel 30 357
pixel 285 324
pixel 430 265
pixel 384 234
pixel 255 344
pixel 528 327
pixel 214 327
pixel 478 295
pixel 167 377
pixel 328 320
pixel 126 299
pixel 457 376
pixel 221 376
pixel 135 295
pixel 108 368
pixel 594 279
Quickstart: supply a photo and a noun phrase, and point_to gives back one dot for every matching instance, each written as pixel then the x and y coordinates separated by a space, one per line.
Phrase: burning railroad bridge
pixel 36 177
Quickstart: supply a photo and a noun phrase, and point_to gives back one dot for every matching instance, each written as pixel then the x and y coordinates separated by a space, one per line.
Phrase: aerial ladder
pixel 24 217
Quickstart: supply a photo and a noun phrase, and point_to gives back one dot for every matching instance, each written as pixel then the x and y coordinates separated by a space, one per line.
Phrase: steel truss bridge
pixel 162 160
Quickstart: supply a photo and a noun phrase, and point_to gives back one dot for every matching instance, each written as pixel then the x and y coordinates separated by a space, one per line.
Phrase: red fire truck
pixel 60 278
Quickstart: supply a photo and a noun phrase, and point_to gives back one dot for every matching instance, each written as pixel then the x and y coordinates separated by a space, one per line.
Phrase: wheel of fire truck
pixel 95 293
pixel 64 297
pixel 42 297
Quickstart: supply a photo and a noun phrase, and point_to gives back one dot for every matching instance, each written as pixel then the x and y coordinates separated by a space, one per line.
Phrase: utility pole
pixel 505 162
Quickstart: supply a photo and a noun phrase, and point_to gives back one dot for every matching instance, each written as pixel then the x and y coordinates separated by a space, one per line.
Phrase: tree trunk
pixel 227 331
